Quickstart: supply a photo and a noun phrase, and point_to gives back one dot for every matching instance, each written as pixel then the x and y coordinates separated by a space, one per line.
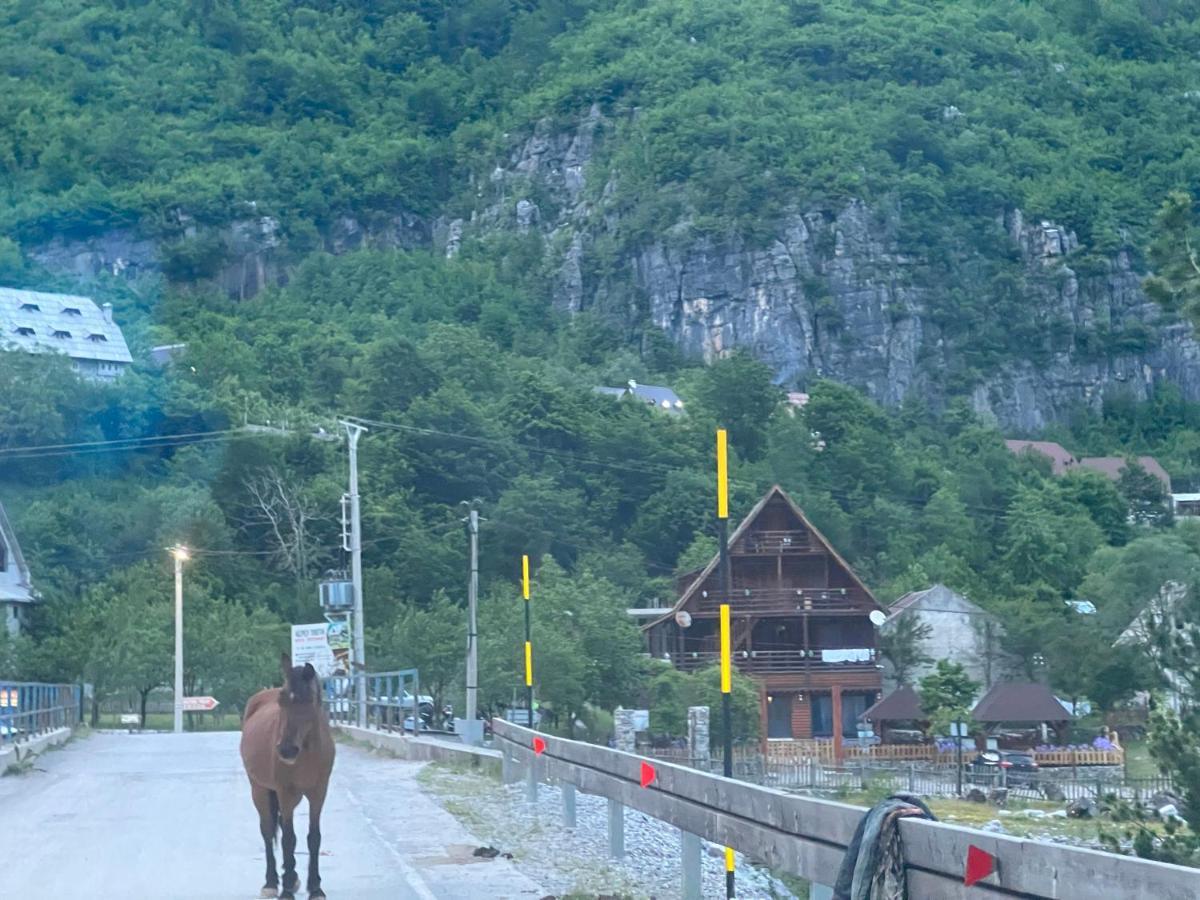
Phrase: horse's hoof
pixel 294 886
pixel 318 894
pixel 269 892
pixel 287 895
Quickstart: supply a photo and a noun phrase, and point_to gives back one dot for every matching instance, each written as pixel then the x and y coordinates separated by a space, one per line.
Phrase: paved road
pixel 169 816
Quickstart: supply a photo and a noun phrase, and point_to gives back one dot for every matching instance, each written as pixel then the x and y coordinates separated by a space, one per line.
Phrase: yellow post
pixel 726 640
pixel 722 475
pixel 726 678
pixel 528 638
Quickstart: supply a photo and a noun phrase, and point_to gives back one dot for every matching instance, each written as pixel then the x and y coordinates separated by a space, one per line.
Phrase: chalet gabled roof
pixel 1017 701
pixel 743 527
pixel 901 705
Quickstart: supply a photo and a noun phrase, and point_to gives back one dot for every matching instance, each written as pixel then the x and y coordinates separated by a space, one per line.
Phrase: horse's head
pixel 300 703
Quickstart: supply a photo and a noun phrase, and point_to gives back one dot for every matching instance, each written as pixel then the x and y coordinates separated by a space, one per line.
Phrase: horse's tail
pixel 273 799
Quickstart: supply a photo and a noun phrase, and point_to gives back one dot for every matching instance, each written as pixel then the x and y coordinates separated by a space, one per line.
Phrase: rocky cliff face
pixel 832 294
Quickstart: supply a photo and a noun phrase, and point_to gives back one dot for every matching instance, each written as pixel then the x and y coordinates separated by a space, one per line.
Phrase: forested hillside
pixel 453 220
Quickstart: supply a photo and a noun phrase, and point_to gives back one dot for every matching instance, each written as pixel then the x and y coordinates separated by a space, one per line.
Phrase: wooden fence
pixel 808 837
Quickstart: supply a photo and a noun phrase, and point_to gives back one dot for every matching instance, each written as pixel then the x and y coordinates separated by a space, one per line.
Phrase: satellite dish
pixel 877 617
pixel 683 618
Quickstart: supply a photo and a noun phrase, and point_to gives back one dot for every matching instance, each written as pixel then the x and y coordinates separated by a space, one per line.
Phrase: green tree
pixel 903 645
pixel 1175 283
pixel 947 694
pixel 670 692
pixel 737 393
pixel 1145 494
pixel 433 640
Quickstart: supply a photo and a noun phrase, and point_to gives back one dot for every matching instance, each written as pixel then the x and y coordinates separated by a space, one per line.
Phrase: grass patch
pixel 1138 762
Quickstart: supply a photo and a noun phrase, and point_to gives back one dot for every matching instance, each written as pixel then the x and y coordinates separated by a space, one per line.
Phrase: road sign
pixel 130 719
pixel 199 704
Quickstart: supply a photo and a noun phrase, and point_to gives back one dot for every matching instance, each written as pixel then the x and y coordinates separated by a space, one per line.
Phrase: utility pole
pixel 472 630
pixel 180 554
pixel 353 433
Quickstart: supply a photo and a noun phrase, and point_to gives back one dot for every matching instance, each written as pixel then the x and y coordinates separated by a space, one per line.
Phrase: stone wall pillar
pixel 626 737
pixel 698 741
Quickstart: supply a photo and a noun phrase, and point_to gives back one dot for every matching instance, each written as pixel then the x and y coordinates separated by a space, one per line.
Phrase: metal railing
pixel 770 543
pixel 771 661
pixel 29 709
pixel 392 699
pixel 828 601
pixel 808 837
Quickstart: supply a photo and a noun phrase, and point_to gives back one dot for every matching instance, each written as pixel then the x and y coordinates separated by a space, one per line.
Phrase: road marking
pixel 411 875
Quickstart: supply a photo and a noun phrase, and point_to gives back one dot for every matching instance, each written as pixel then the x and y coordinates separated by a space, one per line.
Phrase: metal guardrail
pixel 29 709
pixel 808 837
pixel 392 697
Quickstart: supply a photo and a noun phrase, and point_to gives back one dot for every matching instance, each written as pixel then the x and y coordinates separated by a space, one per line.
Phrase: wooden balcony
pixel 762 662
pixel 784 601
pixel 772 543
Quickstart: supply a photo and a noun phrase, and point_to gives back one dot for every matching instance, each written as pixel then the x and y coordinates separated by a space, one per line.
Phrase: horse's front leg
pixel 316 800
pixel 287 809
pixel 267 805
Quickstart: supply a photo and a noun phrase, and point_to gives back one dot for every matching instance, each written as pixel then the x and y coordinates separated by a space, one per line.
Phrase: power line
pixel 116 441
pixel 644 468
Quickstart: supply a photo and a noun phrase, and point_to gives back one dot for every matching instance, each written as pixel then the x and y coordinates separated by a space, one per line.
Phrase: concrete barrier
pixel 426 749
pixel 11 754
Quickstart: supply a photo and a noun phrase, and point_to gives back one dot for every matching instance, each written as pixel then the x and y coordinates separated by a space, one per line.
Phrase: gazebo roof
pixel 1015 701
pixel 901 705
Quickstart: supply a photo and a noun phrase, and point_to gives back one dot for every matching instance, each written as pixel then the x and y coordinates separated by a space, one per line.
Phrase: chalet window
pixel 31 307
pixel 822 715
pixel 24 331
pixel 779 715
pixel 71 311
pixel 60 334
pixel 98 338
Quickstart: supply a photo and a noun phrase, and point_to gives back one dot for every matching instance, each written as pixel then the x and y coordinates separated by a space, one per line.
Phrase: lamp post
pixel 180 554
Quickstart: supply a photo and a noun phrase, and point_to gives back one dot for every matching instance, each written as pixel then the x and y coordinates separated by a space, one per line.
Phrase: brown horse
pixel 287 749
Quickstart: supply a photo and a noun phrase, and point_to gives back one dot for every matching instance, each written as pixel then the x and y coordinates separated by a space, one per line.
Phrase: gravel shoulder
pixel 575 862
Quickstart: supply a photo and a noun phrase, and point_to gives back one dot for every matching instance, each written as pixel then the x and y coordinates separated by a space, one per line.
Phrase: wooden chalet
pixel 799 617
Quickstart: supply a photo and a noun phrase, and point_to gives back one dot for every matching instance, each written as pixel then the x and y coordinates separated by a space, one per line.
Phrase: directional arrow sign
pixel 199 704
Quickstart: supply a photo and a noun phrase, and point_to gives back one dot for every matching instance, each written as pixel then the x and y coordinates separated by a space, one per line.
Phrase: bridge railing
pixel 392 698
pixel 807 837
pixel 29 709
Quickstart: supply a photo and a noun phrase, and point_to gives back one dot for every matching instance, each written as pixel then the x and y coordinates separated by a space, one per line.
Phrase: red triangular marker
pixel 648 774
pixel 980 864
pixel 539 746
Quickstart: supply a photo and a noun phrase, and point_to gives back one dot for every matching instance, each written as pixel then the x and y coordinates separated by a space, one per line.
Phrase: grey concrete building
pixel 962 632
pixel 36 322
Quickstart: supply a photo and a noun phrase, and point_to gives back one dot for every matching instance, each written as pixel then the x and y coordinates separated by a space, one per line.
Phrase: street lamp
pixel 180 554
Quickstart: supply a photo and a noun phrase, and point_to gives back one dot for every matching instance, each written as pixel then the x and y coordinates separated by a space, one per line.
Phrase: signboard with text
pixel 324 644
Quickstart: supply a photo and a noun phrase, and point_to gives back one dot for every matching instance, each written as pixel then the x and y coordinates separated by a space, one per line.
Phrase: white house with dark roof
pixel 36 322
pixel 661 398
pixel 16 591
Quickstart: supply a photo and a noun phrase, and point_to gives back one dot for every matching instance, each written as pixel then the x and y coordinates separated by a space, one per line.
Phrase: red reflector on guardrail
pixel 539 745
pixel 648 774
pixel 980 864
